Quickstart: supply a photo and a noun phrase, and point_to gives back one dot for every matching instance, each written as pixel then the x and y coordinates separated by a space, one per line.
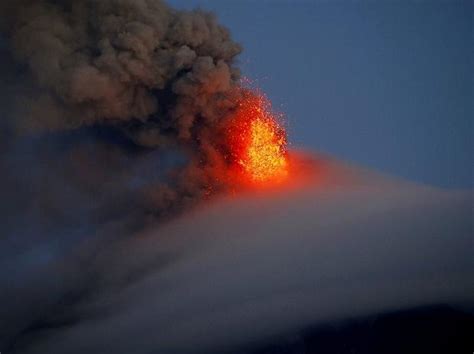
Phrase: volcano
pixel 339 242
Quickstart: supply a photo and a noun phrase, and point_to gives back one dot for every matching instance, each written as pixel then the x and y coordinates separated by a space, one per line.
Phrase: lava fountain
pixel 257 140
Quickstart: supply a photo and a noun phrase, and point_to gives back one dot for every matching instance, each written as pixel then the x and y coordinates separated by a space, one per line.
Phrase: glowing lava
pixel 259 143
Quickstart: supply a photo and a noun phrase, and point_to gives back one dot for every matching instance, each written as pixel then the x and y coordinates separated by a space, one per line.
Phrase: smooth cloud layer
pixel 348 243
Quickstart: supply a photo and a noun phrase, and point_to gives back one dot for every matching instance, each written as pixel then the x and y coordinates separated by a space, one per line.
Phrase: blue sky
pixel 385 84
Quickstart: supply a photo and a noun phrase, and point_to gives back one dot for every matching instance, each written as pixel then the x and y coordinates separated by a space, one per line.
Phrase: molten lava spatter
pixel 259 141
pixel 264 158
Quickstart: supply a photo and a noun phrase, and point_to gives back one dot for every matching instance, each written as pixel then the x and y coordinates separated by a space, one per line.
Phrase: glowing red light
pixel 258 141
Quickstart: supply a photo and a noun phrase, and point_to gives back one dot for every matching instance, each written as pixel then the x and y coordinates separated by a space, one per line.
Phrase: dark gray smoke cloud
pixel 107 62
pixel 110 119
pixel 157 77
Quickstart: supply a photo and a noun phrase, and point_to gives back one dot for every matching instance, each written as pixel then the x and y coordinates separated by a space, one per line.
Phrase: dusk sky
pixel 384 84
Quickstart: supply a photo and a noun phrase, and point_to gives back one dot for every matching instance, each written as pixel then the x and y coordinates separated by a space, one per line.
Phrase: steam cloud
pixel 111 118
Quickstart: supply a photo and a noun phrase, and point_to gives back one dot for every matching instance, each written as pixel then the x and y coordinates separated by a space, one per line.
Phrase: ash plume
pixel 111 113
pixel 158 77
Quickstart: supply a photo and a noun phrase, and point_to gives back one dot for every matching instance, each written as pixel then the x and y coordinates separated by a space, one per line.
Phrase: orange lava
pixel 258 141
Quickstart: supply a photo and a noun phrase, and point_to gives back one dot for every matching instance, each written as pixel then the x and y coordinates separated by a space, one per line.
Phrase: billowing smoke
pixel 157 77
pixel 111 113
pixel 139 65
